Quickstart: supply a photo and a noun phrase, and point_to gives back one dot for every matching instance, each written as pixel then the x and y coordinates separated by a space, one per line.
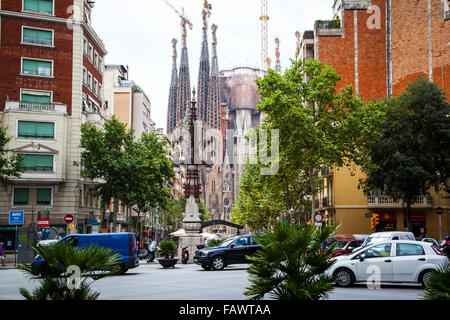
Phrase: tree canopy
pixel 11 166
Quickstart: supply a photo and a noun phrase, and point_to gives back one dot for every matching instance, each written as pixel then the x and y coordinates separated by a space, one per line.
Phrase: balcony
pixel 324 203
pixel 326 172
pixel 328 28
pixel 95 118
pixel 25 106
pixel 383 201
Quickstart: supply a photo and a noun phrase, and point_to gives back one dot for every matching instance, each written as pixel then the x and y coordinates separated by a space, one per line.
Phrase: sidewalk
pixel 7 266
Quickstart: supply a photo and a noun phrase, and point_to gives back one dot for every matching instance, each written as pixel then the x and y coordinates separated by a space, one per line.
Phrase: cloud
pixel 138 33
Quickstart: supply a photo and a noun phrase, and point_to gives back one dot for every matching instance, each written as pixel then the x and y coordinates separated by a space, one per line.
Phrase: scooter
pixel 150 253
pixel 185 255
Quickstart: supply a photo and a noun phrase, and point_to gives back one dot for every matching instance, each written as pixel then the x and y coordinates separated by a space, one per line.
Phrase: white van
pixel 388 235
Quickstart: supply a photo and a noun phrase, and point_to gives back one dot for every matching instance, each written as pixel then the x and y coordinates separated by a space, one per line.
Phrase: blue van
pixel 123 244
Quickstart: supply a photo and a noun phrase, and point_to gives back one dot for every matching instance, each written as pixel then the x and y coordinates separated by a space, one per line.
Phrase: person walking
pixel 2 254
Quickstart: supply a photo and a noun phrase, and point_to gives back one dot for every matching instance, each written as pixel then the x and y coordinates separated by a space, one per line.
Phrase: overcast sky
pixel 138 33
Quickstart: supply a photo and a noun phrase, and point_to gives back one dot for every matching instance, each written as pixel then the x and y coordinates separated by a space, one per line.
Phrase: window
pixel 38 6
pixel 29 129
pixel 87 18
pixel 36 96
pixel 95 86
pixel 85 76
pixel 90 81
pixel 242 242
pixel 408 249
pixel 100 64
pixel 20 196
pixel 96 59
pixel 44 196
pixel 99 90
pixel 37 67
pixel 85 46
pixel 37 36
pixel 382 250
pixel 90 53
pixel 38 163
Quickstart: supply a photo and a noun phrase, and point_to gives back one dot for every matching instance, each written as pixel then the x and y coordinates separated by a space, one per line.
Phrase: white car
pixel 394 261
pixel 388 235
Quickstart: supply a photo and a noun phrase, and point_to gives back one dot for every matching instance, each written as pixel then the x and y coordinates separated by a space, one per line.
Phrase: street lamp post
pixel 107 212
pixel 192 187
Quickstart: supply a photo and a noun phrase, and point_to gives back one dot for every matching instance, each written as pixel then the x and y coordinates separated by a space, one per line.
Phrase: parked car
pixel 431 240
pixel 123 244
pixel 346 247
pixel 233 250
pixel 388 235
pixel 398 260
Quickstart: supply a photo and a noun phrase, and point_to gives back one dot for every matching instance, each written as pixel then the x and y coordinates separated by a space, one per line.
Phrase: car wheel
pixel 122 269
pixel 345 278
pixel 424 276
pixel 218 263
pixel 206 267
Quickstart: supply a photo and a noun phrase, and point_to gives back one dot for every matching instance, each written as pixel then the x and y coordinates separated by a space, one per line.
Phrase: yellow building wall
pixel 351 207
pixel 122 107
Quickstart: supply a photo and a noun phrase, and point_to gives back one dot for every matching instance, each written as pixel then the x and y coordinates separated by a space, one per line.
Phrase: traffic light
pixel 374 221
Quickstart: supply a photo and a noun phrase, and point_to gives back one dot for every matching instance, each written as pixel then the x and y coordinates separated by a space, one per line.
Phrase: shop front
pixel 387 221
pixel 419 223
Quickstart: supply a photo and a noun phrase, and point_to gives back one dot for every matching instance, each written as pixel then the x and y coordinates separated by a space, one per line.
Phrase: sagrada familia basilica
pixel 226 104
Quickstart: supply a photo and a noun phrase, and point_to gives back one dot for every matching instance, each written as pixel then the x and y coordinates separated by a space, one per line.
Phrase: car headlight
pixel 206 254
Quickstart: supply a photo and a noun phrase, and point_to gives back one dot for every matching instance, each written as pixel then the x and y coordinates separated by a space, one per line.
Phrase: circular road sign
pixel 439 210
pixel 68 218
pixel 318 218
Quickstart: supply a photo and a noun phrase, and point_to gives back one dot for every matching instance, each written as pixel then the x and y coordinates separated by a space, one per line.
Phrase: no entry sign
pixel 68 218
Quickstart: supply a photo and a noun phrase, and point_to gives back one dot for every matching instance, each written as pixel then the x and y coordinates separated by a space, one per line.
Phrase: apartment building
pixel 380 46
pixel 51 79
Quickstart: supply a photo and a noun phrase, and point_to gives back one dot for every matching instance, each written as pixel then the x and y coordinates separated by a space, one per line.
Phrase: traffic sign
pixel 318 217
pixel 68 218
pixel 439 210
pixel 43 223
pixel 293 220
pixel 16 217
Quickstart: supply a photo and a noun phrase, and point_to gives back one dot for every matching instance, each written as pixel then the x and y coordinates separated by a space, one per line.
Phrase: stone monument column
pixel 192 225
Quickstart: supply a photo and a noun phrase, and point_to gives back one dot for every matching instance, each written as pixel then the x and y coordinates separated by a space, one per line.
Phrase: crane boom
pixel 265 62
pixel 181 15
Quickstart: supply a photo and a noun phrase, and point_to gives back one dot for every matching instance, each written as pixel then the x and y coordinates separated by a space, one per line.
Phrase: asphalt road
pixel 191 282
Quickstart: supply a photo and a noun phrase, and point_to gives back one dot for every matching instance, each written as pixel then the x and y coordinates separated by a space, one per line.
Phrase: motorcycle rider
pixel 446 248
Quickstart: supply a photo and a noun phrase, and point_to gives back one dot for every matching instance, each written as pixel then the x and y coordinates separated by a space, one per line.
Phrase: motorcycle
pixel 151 253
pixel 185 255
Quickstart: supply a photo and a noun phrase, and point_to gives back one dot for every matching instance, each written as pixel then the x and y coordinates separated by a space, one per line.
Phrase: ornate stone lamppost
pixel 192 223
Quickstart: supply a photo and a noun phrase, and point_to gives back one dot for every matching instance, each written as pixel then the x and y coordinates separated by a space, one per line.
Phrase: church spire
pixel 214 114
pixel 184 82
pixel 172 106
pixel 203 72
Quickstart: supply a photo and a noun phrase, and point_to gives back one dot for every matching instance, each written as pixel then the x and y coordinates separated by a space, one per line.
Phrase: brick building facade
pixel 379 46
pixel 51 78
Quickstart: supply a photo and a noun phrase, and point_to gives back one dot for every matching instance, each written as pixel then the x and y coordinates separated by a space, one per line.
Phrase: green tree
pixel 11 166
pixel 93 262
pixel 410 153
pixel 291 264
pixel 133 171
pixel 318 126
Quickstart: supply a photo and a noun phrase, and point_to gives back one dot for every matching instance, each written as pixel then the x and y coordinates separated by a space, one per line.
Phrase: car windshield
pixel 372 240
pixel 340 244
pixel 227 242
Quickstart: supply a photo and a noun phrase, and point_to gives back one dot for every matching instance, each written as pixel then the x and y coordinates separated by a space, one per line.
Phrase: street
pixel 191 282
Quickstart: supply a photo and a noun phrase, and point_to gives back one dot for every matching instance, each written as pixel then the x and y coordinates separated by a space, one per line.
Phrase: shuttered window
pixel 38 6
pixel 28 129
pixel 44 196
pixel 37 68
pixel 35 97
pixel 38 163
pixel 36 36
pixel 20 196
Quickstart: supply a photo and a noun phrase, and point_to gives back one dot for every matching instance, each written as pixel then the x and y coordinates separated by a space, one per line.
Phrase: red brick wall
pixel 12 50
pixel 410 43
pixel 339 52
pixel 60 7
pixel 92 69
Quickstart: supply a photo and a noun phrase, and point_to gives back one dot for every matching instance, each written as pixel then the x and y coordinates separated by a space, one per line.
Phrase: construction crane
pixel 277 54
pixel 181 15
pixel 265 61
pixel 208 7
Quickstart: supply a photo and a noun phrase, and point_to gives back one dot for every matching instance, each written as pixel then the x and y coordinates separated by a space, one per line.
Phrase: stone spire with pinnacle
pixel 214 113
pixel 203 72
pixel 172 106
pixel 184 82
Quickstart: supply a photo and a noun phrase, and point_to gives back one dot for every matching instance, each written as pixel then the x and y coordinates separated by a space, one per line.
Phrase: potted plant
pixel 167 249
